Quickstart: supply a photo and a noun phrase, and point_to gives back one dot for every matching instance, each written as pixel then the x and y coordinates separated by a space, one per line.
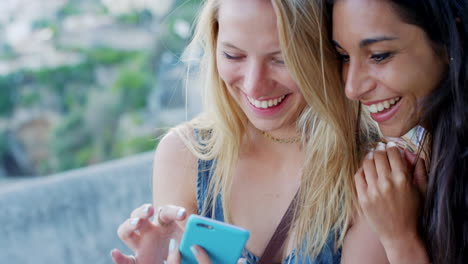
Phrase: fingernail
pixel 370 155
pixel 380 146
pixel 172 245
pixel 180 213
pixel 146 209
pixel 391 144
pixel 135 221
pixel 243 261
pixel 194 250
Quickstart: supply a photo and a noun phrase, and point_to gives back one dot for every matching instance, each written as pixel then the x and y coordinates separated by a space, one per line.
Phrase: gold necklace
pixel 281 140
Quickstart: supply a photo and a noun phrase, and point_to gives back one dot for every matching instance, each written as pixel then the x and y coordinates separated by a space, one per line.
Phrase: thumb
pixel 242 261
pixel 200 254
pixel 120 258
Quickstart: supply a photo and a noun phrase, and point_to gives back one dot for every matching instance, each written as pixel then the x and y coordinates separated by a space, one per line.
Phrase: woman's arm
pixel 175 174
pixel 361 245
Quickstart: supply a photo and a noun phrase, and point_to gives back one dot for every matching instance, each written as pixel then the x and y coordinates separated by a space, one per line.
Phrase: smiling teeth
pixel 375 108
pixel 266 104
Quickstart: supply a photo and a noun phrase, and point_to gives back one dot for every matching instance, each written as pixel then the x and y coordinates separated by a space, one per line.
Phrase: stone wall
pixel 72 217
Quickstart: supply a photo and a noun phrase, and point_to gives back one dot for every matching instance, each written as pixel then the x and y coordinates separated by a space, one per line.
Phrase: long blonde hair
pixel 335 136
pixel 328 124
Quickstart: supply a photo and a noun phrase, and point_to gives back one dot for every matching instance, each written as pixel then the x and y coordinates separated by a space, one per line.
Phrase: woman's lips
pixel 384 110
pixel 264 109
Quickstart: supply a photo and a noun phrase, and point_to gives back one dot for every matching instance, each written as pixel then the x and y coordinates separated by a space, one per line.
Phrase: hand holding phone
pixel 223 242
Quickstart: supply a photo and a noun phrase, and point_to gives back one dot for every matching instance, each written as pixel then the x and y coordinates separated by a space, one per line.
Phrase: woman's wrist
pixel 410 249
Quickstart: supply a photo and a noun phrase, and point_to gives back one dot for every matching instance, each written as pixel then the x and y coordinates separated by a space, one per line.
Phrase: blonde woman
pixel 267 133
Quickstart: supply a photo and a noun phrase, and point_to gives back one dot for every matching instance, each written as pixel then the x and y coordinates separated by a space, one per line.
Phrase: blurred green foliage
pixel 3 141
pixel 109 56
pixel 70 8
pixel 133 146
pixel 88 132
pixel 6 52
pixel 59 78
pixel 134 87
pixel 45 23
pixel 29 99
pixel 136 18
pixel 7 100
pixel 184 11
pixel 68 142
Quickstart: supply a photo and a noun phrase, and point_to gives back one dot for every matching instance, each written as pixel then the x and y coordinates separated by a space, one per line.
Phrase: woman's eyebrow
pixel 229 45
pixel 275 53
pixel 368 41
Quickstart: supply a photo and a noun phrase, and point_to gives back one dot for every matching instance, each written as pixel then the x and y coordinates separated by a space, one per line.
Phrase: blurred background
pixel 86 81
pixel 87 88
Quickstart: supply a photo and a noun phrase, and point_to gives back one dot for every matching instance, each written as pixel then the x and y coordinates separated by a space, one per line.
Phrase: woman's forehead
pixel 255 28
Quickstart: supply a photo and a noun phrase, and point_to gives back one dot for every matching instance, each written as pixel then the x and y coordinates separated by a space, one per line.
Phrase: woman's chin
pixel 394 131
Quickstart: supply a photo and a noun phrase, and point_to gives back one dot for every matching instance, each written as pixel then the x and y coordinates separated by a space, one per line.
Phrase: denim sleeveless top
pixel 327 256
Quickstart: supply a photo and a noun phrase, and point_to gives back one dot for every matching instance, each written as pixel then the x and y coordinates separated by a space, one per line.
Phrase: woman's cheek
pixel 228 73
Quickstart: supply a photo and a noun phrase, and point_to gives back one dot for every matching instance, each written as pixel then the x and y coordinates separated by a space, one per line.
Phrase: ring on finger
pixel 160 221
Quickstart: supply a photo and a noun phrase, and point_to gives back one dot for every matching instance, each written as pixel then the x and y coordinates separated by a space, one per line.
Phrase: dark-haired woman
pixel 406 62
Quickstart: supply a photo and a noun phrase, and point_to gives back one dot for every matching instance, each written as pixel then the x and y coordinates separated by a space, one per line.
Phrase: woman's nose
pixel 357 81
pixel 255 76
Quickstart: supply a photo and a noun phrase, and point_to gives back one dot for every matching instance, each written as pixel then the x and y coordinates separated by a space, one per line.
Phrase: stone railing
pixel 72 217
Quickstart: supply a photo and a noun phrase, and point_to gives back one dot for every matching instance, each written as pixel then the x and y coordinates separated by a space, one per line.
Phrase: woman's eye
pixel 278 61
pixel 380 57
pixel 231 57
pixel 343 58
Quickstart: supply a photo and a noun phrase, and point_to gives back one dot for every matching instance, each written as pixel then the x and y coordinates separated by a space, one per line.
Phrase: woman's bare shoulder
pixel 173 147
pixel 174 171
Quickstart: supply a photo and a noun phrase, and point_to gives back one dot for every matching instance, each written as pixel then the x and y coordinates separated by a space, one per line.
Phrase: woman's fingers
pixel 201 255
pixel 132 230
pixel 120 258
pixel 397 163
pixel 381 161
pixel 145 212
pixel 173 256
pixel 129 231
pixel 361 186
pixel 166 215
pixel 149 239
pixel 370 172
pixel 384 171
pixel 127 234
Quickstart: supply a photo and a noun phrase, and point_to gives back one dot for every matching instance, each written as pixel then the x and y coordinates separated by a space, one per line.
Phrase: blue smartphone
pixel 223 242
